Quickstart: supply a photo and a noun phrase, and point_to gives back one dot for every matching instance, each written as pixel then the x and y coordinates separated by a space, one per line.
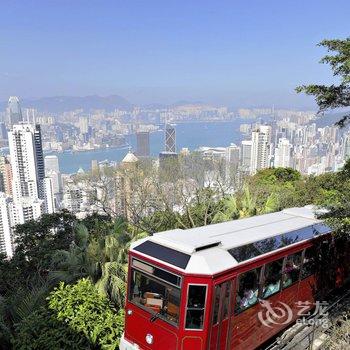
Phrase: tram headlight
pixel 129 312
pixel 149 339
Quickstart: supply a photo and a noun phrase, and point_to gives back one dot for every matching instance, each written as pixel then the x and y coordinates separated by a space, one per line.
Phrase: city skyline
pixel 162 53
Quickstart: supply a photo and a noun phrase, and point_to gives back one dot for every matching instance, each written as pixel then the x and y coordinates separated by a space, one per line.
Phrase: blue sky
pixel 237 53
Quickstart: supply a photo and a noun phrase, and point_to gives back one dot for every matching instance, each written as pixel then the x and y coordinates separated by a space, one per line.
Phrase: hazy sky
pixel 237 52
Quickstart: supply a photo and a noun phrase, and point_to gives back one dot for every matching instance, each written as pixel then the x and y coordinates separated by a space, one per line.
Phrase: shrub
pixel 76 317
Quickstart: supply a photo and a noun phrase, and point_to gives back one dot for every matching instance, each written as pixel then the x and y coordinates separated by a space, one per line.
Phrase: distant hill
pixel 59 104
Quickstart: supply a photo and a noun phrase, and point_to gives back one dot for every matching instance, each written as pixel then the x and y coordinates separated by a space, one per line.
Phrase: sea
pixel 191 135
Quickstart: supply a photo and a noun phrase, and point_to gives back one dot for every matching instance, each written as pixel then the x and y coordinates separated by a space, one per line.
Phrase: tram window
pixel 216 304
pixel 272 278
pixel 291 270
pixel 226 300
pixel 252 250
pixel 155 295
pixel 195 306
pixel 309 263
pixel 247 291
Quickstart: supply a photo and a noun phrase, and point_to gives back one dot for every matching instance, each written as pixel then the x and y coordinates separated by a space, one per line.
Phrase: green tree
pixel 86 311
pixel 76 317
pixel 42 330
pixel 335 95
pixel 36 241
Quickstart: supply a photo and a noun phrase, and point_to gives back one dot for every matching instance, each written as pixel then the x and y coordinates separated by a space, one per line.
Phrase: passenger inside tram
pixel 291 270
pixel 248 290
pixel 272 286
pixel 273 273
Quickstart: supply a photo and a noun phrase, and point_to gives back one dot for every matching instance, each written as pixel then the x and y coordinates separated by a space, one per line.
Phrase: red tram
pixel 203 288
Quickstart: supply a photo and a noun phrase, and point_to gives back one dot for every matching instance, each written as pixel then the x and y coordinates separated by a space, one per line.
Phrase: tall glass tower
pixel 170 138
pixel 14 111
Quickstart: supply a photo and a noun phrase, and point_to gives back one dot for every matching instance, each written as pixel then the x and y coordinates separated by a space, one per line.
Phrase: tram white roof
pixel 208 246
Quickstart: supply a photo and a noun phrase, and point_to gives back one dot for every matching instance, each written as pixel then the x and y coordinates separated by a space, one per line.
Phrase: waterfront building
pixel 143 144
pixel 95 168
pixel 170 138
pixel 51 163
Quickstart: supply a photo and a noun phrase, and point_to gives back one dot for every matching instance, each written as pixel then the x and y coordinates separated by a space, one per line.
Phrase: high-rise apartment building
pixel 6 243
pixel 261 144
pixel 52 172
pixel 125 197
pixel 142 144
pixel 27 162
pixel 51 163
pixel 5 176
pixel 347 147
pixel 84 125
pixel 170 138
pixel 232 157
pixel 283 153
pixel 246 155
pixel 50 205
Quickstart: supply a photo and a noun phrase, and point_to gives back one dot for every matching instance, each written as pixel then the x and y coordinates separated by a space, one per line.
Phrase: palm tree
pixel 73 264
pixel 248 203
pixel 18 305
pixel 111 252
pixel 102 258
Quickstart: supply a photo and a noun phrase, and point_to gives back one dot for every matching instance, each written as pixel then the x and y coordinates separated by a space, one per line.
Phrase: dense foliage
pixel 75 317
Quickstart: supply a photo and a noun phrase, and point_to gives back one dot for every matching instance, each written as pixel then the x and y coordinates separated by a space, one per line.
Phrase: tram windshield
pixel 156 295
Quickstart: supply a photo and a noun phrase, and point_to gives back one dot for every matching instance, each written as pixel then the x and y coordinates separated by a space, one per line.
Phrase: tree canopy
pixel 336 95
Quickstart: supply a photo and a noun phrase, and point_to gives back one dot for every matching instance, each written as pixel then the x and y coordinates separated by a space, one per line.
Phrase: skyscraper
pixel 232 155
pixel 170 138
pixel 52 172
pixel 51 164
pixel 14 111
pixel 50 206
pixel 142 144
pixel 246 155
pixel 5 176
pixel 27 161
pixel 283 154
pixel 347 147
pixel 6 244
pixel 125 197
pixel 83 125
pixel 261 143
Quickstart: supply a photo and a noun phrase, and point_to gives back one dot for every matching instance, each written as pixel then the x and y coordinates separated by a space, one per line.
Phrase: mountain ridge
pixel 60 104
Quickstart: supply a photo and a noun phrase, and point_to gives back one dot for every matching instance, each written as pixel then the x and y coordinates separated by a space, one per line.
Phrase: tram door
pixel 220 330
